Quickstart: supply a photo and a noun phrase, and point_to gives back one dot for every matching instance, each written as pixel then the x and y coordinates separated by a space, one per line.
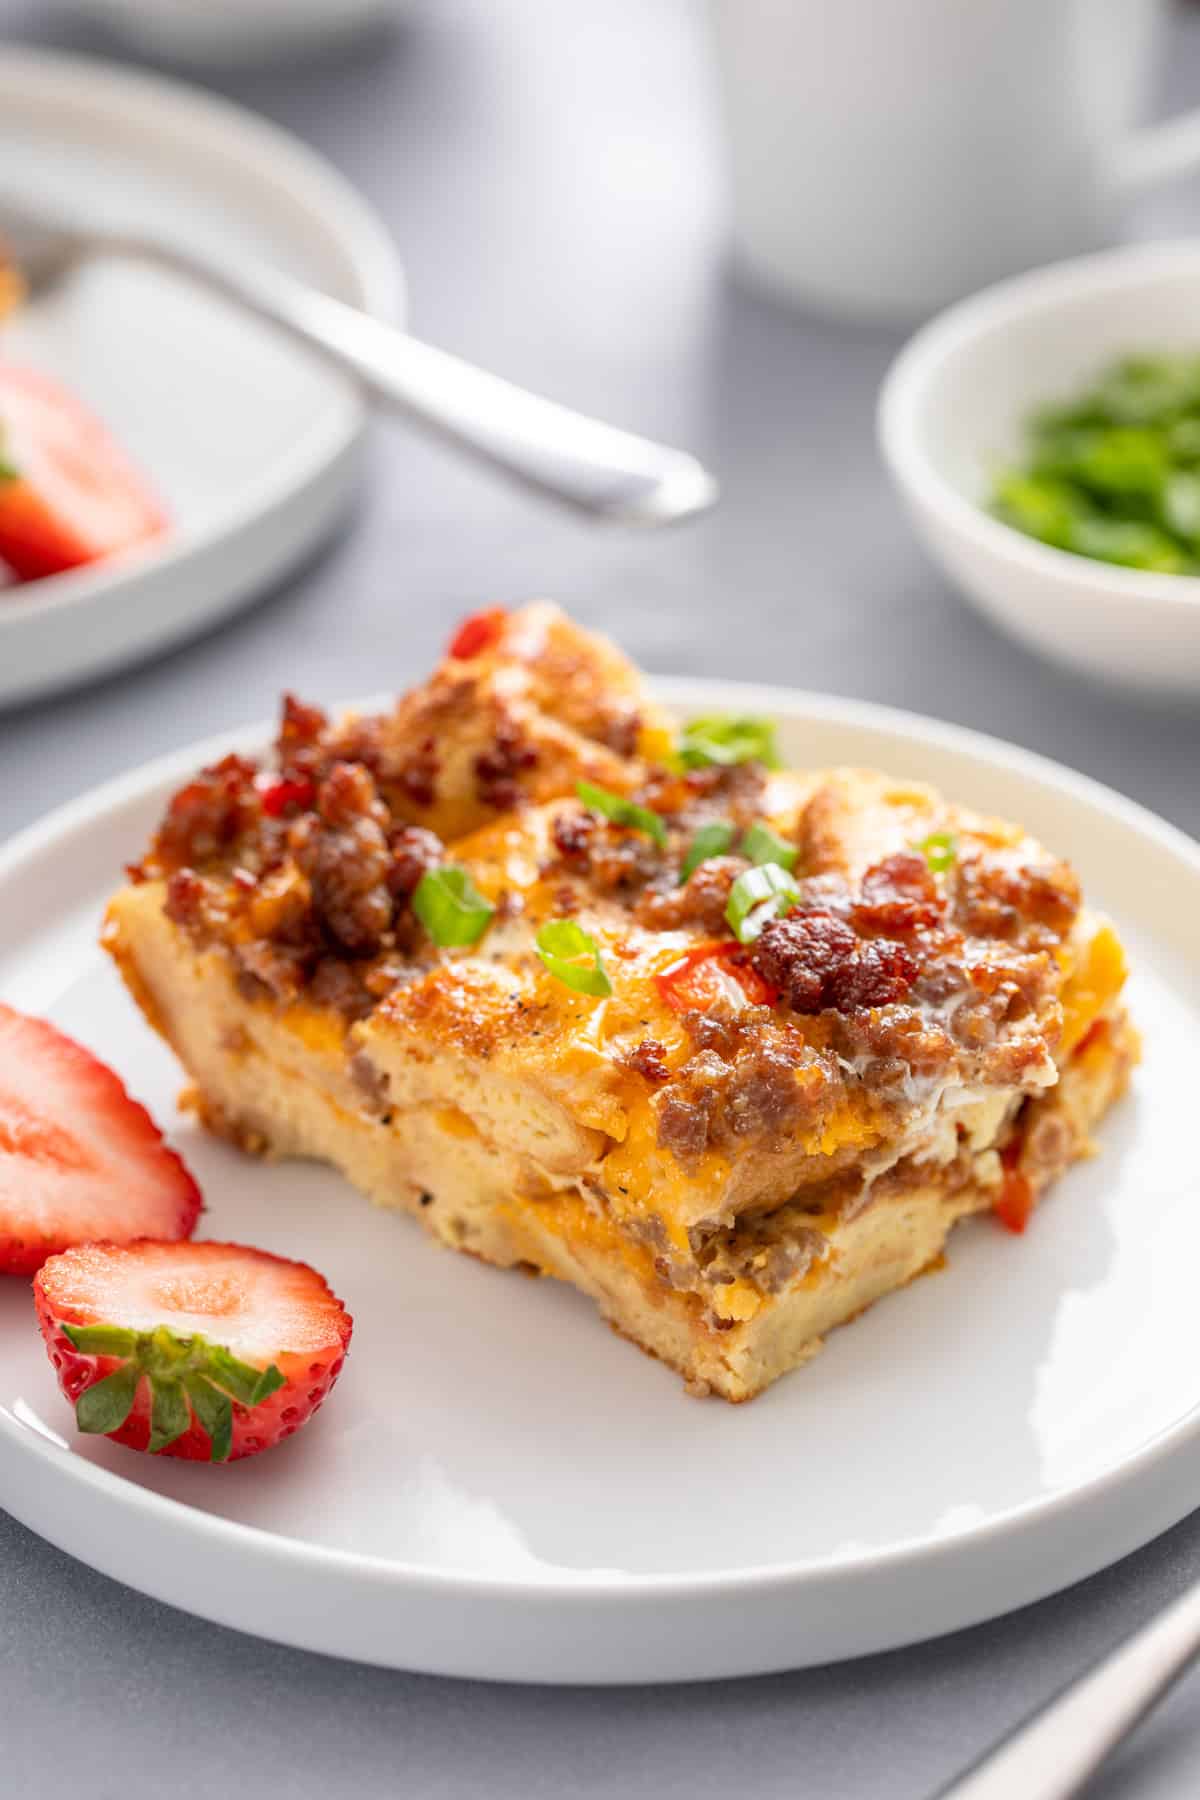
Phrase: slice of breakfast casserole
pixel 728 1046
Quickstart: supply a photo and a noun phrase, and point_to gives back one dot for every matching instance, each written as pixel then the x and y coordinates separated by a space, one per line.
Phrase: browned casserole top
pixel 921 944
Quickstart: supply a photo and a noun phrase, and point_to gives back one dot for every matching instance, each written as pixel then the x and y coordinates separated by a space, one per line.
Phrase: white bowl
pixel 952 408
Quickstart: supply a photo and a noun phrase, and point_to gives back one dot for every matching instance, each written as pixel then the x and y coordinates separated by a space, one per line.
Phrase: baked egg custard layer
pixel 729 1046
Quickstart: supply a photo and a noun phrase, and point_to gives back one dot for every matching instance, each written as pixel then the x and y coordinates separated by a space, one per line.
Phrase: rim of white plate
pixel 94 86
pixel 692 694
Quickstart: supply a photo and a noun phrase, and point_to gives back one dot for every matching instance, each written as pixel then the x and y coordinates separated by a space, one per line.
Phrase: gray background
pixel 552 173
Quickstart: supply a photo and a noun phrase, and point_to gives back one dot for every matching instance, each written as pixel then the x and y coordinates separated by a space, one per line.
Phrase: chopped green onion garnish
pixel 725 739
pixel 450 906
pixel 758 895
pixel 714 839
pixel 939 850
pixel 622 811
pixel 572 956
pixel 762 845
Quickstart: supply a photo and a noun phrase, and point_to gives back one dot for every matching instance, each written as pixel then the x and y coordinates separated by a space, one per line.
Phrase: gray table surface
pixel 552 174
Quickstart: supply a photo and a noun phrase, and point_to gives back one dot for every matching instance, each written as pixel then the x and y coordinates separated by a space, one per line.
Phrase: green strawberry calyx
pixel 186 1374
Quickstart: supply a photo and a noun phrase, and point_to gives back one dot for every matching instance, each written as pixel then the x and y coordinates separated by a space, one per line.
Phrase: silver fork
pixel 1054 1753
pixel 593 467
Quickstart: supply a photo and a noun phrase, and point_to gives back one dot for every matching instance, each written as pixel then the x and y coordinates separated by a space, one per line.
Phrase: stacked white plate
pixel 253 444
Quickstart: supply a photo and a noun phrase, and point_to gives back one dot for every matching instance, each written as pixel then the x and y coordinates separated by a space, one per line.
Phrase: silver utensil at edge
pixel 1055 1752
pixel 596 468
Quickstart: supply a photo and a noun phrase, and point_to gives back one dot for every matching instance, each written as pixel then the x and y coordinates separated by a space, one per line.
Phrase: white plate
pixel 253 444
pixel 502 1488
pixel 224 34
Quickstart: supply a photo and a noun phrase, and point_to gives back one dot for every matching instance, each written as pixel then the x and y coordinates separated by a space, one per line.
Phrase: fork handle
pixel 594 467
pixel 1055 1751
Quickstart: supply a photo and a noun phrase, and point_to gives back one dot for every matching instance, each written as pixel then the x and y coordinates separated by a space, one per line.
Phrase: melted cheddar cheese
pixel 1092 985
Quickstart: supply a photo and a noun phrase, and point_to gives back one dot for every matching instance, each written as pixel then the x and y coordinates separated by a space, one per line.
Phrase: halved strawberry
pixel 205 1351
pixel 79 1159
pixel 68 492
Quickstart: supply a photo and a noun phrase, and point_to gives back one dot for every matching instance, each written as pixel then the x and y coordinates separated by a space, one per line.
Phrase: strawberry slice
pixel 68 492
pixel 206 1351
pixel 79 1159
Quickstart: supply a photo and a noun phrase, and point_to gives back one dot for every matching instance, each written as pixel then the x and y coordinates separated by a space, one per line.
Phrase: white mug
pixel 888 156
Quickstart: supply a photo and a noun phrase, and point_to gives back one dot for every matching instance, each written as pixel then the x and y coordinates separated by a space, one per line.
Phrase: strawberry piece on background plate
pixel 209 1352
pixel 79 1159
pixel 68 493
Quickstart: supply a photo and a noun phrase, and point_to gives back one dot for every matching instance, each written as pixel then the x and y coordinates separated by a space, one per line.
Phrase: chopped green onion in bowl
pixel 1130 544
pixel 726 739
pixel 714 839
pixel 762 845
pixel 450 907
pixel 1113 474
pixel 1181 503
pixel 760 894
pixel 572 956
pixel 622 811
